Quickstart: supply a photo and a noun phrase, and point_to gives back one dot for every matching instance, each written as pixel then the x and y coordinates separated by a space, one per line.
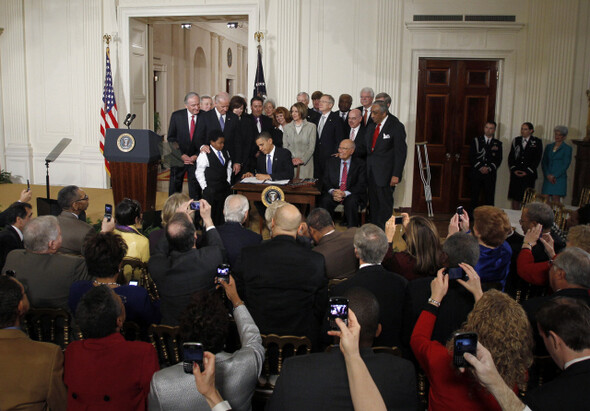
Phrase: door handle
pixel 457 157
pixel 448 156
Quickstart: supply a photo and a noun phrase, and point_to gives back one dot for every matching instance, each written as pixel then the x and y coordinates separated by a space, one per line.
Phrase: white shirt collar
pixel 272 153
pixel 366 265
pixel 218 113
pixel 19 232
pixel 575 360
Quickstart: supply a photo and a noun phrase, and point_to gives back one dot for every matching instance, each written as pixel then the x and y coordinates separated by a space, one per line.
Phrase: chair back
pixel 529 196
pixel 167 342
pixel 48 325
pixel 584 196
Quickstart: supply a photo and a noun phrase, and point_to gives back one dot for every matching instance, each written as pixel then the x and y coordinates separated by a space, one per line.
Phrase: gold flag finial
pixel 258 36
pixel 107 38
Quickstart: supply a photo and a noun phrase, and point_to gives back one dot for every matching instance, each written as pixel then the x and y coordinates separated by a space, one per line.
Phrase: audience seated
pixel 46 274
pixel 171 206
pixel 17 216
pixel 105 371
pixel 283 283
pixel 500 324
pixel 564 324
pixel 32 372
pixel 73 201
pixel 319 381
pixel 458 249
pixel 104 253
pixel 205 382
pixel 370 246
pixel 128 218
pixel 179 269
pixel 337 247
pixel 569 276
pixel 423 254
pixel 206 321
pixel 233 234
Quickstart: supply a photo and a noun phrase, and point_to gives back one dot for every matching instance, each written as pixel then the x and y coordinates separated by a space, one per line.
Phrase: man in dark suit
pixel 485 156
pixel 329 135
pixel 384 144
pixel 233 234
pixel 73 201
pixel 564 324
pixel 337 247
pixel 261 122
pixel 366 97
pixel 279 159
pixel 370 245
pixel 46 274
pixel 283 283
pixel 356 129
pixel 220 118
pixel 25 197
pixel 181 133
pixel 345 182
pixel 18 216
pixel 319 381
pixel 179 269
pixel 312 115
pixel 32 371
pixel 344 104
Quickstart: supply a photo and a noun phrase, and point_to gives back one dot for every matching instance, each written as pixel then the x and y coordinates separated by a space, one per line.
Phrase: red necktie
pixel 365 117
pixel 344 177
pixel 192 126
pixel 375 135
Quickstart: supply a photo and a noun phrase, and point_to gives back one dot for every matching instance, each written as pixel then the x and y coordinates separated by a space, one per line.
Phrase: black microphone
pixel 131 120
pixel 127 119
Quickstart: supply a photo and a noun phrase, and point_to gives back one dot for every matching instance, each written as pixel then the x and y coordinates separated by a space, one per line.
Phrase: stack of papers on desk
pixel 254 180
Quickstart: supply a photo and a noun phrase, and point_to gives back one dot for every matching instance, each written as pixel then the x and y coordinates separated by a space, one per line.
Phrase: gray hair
pixel 384 97
pixel 221 96
pixel 190 94
pixel 576 264
pixel 382 106
pixel 270 101
pixel 67 196
pixel 461 248
pixel 39 232
pixel 561 130
pixel 541 213
pixel 330 98
pixel 303 93
pixel 370 243
pixel 368 90
pixel 235 208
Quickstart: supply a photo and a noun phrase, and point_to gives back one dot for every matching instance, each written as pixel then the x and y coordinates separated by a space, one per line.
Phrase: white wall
pixel 52 62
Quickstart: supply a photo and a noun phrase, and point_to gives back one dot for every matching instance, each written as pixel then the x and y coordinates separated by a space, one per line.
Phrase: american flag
pixel 108 111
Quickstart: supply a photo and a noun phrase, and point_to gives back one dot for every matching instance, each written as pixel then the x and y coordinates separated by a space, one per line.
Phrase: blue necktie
pixel 220 158
pixel 268 164
pixel 221 122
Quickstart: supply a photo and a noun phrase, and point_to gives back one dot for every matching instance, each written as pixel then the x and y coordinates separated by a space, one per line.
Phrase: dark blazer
pixel 248 138
pixel 73 233
pixel 178 275
pixel 356 181
pixel 389 157
pixel 284 286
pixel 319 382
pixel 235 237
pixel 9 240
pixel 568 391
pixel 265 124
pixel 282 166
pixel 482 155
pixel 526 160
pixel 327 142
pixel 389 288
pixel 231 131
pixel 338 251
pixel 369 119
pixel 47 277
pixel 313 116
pixel 179 132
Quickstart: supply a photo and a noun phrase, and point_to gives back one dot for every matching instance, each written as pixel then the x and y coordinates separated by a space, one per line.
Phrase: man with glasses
pixel 330 133
pixel 72 200
pixel 345 183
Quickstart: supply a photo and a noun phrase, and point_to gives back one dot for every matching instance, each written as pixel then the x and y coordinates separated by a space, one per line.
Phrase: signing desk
pixel 295 195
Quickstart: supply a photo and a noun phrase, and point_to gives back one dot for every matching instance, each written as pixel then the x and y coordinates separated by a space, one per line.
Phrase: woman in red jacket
pixel 501 325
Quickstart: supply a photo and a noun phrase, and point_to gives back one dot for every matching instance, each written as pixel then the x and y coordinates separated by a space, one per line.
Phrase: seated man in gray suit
pixel 73 201
pixel 319 381
pixel 46 274
pixel 206 321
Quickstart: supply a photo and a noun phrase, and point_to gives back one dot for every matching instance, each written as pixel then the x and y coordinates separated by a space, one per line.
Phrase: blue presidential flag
pixel 259 83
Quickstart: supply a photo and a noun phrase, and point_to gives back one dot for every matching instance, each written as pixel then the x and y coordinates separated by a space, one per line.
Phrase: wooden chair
pixel 48 325
pixel 584 197
pixel 130 331
pixel 335 281
pixel 167 342
pixel 561 216
pixel 529 196
pixel 388 350
pixel 135 269
pixel 362 211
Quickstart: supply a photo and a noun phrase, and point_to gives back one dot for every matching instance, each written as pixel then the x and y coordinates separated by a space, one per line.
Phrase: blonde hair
pixel 171 205
pixel 579 236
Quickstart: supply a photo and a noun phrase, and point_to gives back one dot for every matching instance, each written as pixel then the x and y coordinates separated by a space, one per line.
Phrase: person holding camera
pixel 206 321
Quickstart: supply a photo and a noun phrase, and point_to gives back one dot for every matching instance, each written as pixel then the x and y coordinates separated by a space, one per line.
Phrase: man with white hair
pixel 46 275
pixel 233 233
pixel 312 115
pixel 367 95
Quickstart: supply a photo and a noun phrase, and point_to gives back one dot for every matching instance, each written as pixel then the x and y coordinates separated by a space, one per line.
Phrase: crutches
pixel 424 168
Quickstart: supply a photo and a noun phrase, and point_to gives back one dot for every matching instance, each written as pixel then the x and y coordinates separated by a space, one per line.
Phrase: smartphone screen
pixel 195 205
pixel 134 283
pixel 456 273
pixel 223 272
pixel 338 309
pixel 399 220
pixel 108 211
pixel 460 212
pixel 192 352
pixel 28 185
pixel 462 343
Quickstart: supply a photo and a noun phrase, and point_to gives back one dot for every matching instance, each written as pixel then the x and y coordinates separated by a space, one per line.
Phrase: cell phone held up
pixel 462 343
pixel 338 309
pixel 456 273
pixel 460 212
pixel 192 352
pixel 108 211
pixel 223 272
pixel 195 205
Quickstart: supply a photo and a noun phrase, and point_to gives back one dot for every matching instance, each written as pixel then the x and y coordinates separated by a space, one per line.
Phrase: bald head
pixel 286 221
pixel 354 118
pixel 345 149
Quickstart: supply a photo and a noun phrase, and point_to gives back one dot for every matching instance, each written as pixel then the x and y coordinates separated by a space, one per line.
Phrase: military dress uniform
pixel 525 159
pixel 482 154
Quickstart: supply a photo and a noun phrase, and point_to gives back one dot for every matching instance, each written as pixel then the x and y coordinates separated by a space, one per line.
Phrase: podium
pixel 133 156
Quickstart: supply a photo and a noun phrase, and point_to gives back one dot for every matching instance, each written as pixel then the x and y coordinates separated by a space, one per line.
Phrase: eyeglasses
pixel 85 198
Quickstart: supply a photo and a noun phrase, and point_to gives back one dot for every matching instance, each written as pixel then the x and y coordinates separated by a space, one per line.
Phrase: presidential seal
pixel 126 142
pixel 272 194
